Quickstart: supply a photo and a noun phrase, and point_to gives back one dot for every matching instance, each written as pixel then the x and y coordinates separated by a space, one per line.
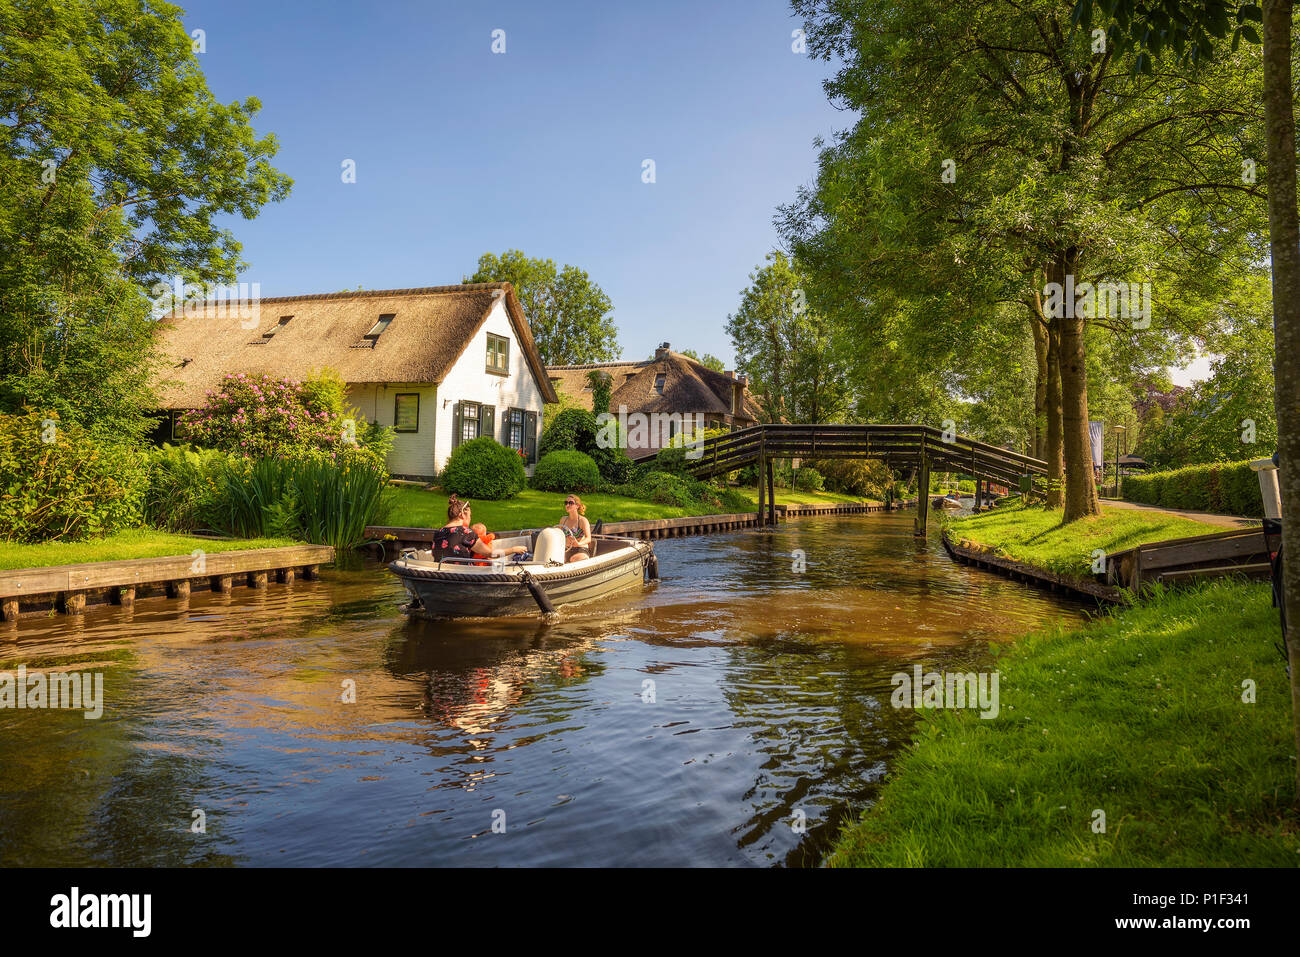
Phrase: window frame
pixel 503 352
pixel 661 381
pixel 397 401
pixel 380 327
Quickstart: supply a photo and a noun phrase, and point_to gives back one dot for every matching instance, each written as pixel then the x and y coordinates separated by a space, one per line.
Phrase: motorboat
pixel 538 580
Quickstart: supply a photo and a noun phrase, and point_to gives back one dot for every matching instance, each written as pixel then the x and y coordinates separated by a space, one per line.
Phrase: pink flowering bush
pixel 262 415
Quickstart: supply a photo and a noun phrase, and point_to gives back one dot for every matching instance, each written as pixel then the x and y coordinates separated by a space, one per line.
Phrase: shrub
pixel 266 415
pixel 573 430
pixel 180 488
pixel 483 468
pixel 566 471
pixel 315 497
pixel 60 483
pixel 809 479
pixel 1230 488
pixel 576 430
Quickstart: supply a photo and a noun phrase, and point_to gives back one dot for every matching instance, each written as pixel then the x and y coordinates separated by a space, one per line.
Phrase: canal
pixel 734 714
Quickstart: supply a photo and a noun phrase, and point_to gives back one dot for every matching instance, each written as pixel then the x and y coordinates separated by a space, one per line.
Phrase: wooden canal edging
pixel 968 553
pixel 69 588
pixel 653 528
pixel 1239 551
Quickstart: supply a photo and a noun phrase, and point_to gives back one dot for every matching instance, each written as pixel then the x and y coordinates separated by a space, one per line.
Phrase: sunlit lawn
pixel 1035 535
pixel 1140 717
pixel 532 509
pixel 133 543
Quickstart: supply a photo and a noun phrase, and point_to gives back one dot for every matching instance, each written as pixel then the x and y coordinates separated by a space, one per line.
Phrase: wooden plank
pixel 1175 553
pixel 137 571
pixel 1251 570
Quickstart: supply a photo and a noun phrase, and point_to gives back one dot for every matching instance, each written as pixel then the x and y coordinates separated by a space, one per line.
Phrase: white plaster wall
pixel 468 381
pixel 412 451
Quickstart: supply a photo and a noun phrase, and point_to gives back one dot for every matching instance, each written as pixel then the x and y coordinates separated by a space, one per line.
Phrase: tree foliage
pixel 570 316
pixel 116 165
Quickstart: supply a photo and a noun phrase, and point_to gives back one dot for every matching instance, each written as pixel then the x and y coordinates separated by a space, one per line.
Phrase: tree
pixel 1189 28
pixel 568 313
pixel 708 361
pixel 999 158
pixel 785 348
pixel 115 164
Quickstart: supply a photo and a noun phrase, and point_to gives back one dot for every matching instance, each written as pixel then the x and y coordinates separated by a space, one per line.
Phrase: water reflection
pixel 692 722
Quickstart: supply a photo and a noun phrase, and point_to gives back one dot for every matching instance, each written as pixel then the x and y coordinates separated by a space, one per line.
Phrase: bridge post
pixel 762 470
pixel 922 495
pixel 771 495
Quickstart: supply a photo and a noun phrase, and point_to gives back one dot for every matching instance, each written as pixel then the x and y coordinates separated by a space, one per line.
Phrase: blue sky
pixel 460 151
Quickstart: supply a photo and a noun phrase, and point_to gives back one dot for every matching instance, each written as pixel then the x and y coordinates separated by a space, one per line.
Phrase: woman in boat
pixel 457 540
pixel 577 530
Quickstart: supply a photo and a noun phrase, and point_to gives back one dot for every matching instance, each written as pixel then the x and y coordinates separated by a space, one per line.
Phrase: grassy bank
pixel 1035 535
pixel 1140 716
pixel 532 509
pixel 134 543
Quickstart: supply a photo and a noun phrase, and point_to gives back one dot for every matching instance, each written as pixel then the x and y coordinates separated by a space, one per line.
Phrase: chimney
pixel 662 351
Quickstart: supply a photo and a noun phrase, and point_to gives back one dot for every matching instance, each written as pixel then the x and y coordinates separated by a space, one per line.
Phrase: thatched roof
pixel 430 329
pixel 689 386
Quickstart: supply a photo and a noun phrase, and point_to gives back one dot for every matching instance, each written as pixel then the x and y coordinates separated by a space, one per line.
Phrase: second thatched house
pixel 440 364
pixel 670 384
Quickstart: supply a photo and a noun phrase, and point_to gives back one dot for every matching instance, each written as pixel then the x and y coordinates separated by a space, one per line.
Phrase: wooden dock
pixel 69 588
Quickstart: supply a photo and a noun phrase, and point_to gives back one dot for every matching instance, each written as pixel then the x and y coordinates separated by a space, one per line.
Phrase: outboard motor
pixel 550 546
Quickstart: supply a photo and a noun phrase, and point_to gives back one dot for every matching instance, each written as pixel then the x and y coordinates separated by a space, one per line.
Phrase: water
pixel 770 706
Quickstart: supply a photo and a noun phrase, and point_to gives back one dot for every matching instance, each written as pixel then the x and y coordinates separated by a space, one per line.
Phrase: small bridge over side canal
pixel 921 447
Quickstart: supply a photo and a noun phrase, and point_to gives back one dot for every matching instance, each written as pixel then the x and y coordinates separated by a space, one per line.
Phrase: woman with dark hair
pixel 457 540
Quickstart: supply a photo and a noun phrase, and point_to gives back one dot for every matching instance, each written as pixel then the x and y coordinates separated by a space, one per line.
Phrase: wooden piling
pixel 9 609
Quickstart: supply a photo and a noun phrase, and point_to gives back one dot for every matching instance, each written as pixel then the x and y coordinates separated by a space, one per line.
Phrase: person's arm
pixel 481 548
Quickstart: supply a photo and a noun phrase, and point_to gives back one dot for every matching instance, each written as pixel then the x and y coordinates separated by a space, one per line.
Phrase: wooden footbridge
pixel 921 447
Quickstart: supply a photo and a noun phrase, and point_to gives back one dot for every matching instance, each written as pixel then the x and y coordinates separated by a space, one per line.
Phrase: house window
pixel 378 328
pixel 515 428
pixel 498 354
pixel 469 412
pixel 406 412
pixel 472 419
pixel 659 382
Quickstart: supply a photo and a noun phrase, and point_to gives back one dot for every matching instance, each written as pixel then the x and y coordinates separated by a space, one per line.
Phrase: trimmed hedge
pixel 566 471
pixel 1227 488
pixel 484 468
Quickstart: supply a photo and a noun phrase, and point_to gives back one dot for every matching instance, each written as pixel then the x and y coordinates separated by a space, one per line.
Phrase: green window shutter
pixel 487 420
pixel 530 437
pixel 455 425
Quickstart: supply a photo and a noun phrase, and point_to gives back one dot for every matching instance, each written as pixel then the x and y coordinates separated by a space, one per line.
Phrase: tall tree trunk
pixel 1076 441
pixel 1039 327
pixel 1284 237
pixel 1055 458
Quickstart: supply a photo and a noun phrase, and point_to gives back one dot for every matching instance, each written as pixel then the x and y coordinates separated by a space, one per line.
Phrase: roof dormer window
pixel 284 321
pixel 378 328
pixel 660 378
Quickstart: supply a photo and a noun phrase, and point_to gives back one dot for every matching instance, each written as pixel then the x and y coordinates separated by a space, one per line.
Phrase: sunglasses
pixel 570 502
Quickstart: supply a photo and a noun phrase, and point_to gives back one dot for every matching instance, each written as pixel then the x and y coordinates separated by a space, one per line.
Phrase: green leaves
pixel 569 315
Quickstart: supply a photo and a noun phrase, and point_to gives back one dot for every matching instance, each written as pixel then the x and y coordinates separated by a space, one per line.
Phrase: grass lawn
pixel 1035 535
pixel 1139 716
pixel 533 509
pixel 133 543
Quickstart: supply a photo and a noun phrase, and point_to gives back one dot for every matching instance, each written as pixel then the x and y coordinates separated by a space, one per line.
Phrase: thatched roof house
pixel 441 364
pixel 670 383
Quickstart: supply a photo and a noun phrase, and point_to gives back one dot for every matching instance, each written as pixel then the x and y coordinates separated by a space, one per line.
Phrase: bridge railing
pixel 901 445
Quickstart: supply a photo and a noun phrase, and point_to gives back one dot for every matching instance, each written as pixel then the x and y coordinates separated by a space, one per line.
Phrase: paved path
pixel 1209 518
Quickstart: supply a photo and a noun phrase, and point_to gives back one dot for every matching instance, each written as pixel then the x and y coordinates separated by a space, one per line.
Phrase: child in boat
pixel 484 536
